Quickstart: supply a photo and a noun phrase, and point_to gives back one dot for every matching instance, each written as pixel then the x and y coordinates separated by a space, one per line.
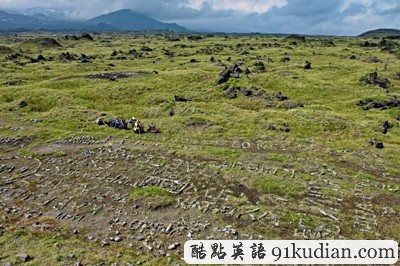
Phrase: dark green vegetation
pixel 380 33
pixel 276 151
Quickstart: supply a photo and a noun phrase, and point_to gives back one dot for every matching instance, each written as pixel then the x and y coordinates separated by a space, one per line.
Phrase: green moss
pixel 28 153
pixel 306 177
pixel 151 191
pixel 277 157
pixel 367 176
pixel 57 250
pixel 306 220
pixel 274 186
pixel 225 152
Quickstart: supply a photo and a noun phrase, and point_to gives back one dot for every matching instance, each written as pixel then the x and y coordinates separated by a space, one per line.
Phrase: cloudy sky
pixel 336 17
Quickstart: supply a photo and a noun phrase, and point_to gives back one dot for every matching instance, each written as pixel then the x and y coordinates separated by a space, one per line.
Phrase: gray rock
pixel 23 257
pixel 140 238
pixel 104 243
pixel 36 225
pixel 169 228
pixel 173 246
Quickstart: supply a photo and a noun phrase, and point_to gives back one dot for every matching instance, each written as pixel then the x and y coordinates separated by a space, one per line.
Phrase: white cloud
pixel 92 8
pixel 245 6
pixel 195 4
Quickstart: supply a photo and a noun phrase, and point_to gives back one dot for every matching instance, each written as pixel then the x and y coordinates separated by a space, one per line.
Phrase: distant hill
pixel 380 33
pixel 9 22
pixel 15 21
pixel 123 20
pixel 129 20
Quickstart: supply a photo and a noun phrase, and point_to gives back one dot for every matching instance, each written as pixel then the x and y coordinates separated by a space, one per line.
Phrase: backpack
pixel 100 121
pixel 111 122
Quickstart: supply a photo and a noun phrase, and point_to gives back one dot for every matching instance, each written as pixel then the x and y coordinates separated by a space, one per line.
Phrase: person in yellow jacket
pixel 138 128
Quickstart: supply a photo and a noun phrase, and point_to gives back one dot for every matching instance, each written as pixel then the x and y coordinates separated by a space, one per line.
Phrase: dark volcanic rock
pixel 41 58
pixel 173 39
pixel 146 49
pixel 308 65
pixel 373 78
pixel 12 57
pixel 68 56
pixel 396 76
pixel 48 42
pixel 368 44
pixel 382 82
pixel 83 36
pixel 280 97
pixel 246 92
pixel 194 37
pixel 285 128
pixel 136 54
pixel 232 71
pixel 383 105
pixel 385 126
pixel 285 59
pixel 231 93
pixel 379 145
pixel 22 104
pixel 295 38
pixel 374 59
pixel 179 98
pixel 33 60
pixel 38 59
pixel 293 105
pixel 86 36
pixel 13 82
pixel 259 67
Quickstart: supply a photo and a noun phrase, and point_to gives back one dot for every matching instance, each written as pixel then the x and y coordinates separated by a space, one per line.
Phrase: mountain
pixel 126 19
pixel 123 20
pixel 15 21
pixel 380 33
pixel 10 21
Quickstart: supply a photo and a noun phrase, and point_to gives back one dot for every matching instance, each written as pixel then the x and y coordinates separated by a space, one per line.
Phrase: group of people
pixel 133 123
